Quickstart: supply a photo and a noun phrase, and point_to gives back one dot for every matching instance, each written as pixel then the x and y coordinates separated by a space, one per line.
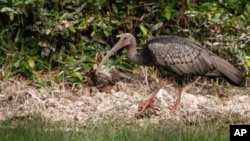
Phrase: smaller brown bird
pixel 176 56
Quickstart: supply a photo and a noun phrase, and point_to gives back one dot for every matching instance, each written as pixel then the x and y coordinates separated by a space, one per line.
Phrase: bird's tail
pixel 228 72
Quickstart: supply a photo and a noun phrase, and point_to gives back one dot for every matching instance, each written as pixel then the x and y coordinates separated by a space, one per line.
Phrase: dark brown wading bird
pixel 178 56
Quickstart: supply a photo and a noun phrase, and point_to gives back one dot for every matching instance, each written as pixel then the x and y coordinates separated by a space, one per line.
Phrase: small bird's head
pixel 126 39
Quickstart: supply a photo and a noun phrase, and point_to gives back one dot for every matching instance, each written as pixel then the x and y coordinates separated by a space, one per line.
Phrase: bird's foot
pixel 172 107
pixel 144 105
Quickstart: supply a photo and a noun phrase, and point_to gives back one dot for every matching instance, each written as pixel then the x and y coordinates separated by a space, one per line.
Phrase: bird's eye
pixel 125 38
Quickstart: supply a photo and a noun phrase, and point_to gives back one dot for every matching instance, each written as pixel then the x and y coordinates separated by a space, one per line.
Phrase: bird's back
pixel 184 57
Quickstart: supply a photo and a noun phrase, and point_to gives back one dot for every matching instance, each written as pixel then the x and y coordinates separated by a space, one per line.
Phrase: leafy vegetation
pixel 63 38
pixel 36 129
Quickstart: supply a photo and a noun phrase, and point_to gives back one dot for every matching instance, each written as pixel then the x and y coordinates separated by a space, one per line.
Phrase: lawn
pixel 37 130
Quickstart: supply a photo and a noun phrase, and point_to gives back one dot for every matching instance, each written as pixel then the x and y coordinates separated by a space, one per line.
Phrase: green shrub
pixel 62 37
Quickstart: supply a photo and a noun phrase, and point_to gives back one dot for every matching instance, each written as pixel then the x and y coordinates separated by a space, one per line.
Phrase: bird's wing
pixel 185 58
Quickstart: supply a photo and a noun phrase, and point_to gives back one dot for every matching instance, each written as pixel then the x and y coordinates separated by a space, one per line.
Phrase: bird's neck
pixel 135 56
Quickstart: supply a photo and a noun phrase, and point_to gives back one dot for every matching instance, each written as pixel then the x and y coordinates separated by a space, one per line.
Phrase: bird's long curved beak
pixel 117 46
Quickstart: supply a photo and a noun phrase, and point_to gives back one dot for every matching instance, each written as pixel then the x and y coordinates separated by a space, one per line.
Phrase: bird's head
pixel 126 39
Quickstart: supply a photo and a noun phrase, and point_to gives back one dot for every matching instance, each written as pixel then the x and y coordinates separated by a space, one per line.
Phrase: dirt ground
pixel 82 104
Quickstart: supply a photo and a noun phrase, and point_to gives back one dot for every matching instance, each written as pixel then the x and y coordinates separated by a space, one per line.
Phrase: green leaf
pixel 246 15
pixel 34 51
pixel 7 9
pixel 107 33
pixel 243 17
pixel 247 61
pixel 143 30
pixel 64 16
pixel 11 16
pixel 72 29
pixel 114 8
pixel 209 15
pixel 157 26
pixel 167 13
pixel 77 76
pixel 31 62
pixel 248 8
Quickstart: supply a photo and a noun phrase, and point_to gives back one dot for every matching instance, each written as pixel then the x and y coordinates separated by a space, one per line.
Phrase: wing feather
pixel 183 57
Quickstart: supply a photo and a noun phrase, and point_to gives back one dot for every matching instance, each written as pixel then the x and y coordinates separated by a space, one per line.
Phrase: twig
pixel 148 4
pixel 190 85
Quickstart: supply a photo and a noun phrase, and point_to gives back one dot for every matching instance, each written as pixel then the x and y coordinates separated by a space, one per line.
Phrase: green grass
pixel 37 130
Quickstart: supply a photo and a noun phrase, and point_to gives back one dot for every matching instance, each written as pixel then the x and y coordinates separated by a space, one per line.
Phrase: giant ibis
pixel 179 56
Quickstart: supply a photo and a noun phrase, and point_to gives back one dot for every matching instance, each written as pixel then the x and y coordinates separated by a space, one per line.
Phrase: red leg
pixel 178 100
pixel 147 103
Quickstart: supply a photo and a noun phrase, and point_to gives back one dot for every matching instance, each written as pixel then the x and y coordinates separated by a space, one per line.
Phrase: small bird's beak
pixel 117 46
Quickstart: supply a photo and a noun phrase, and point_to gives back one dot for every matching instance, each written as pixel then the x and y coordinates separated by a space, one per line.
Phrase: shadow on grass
pixel 34 129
